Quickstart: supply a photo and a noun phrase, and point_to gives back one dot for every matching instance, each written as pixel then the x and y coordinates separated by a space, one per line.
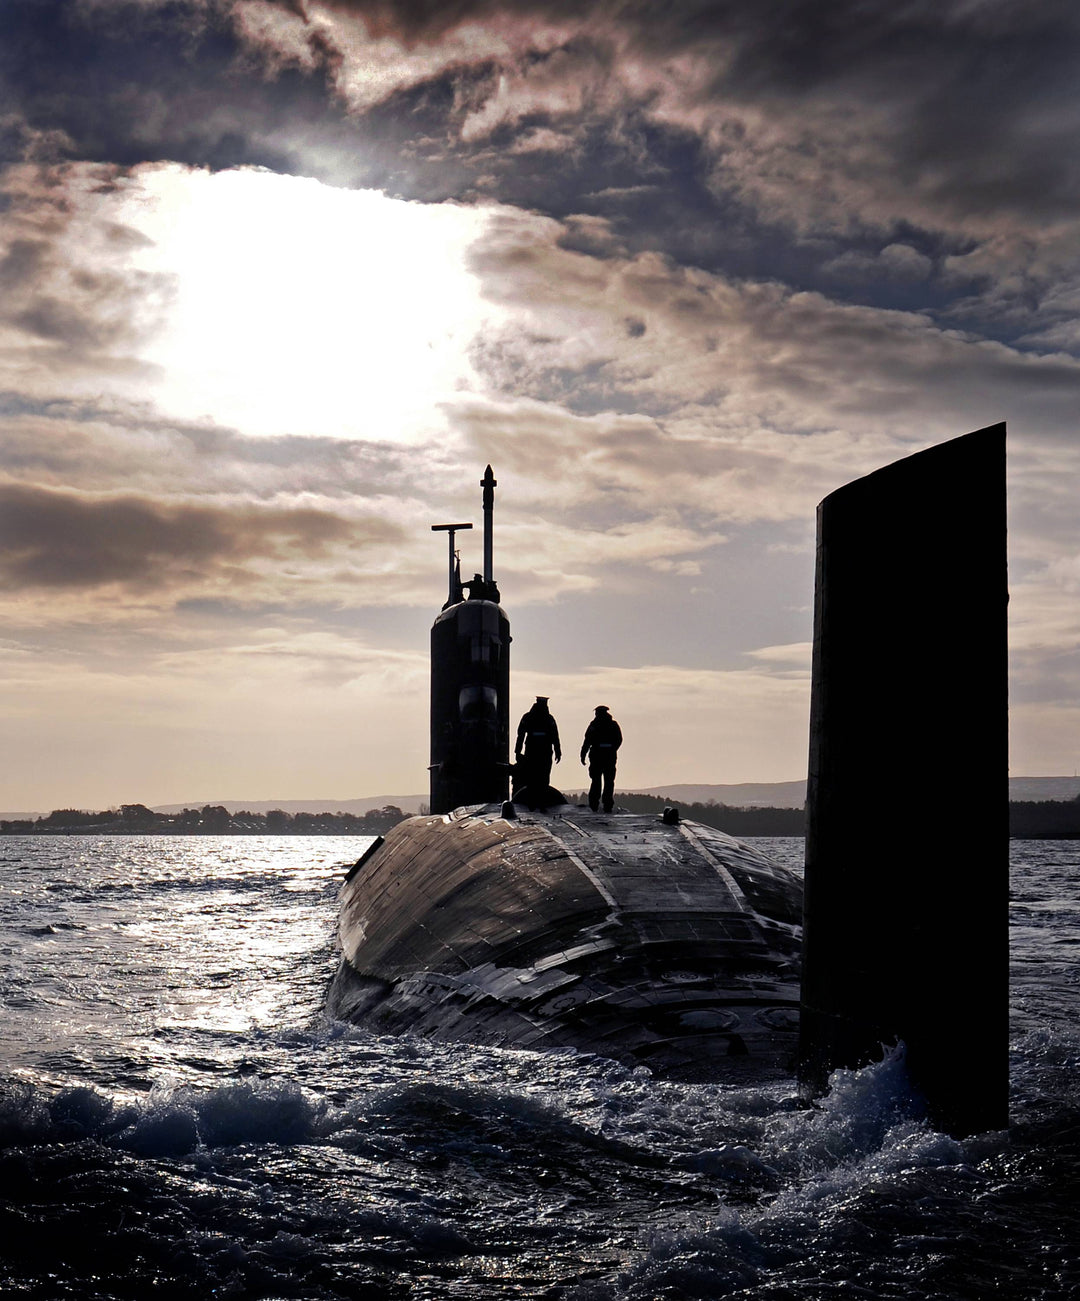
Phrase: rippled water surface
pixel 178 1119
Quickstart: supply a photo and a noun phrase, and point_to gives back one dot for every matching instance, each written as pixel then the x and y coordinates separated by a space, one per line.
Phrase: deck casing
pixel 673 946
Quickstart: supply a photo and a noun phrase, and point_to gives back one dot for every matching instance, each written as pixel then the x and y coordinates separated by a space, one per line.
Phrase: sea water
pixel 179 1119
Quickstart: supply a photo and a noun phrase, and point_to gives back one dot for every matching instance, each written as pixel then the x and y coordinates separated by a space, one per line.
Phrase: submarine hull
pixel 671 946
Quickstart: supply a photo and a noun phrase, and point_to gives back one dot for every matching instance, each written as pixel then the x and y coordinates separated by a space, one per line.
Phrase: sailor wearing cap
pixel 537 744
pixel 603 737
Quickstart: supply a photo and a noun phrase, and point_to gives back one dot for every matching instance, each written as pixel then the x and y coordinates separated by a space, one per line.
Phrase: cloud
pixel 53 541
pixel 951 114
pixel 796 655
pixel 72 302
pixel 96 445
pixel 656 400
pixel 899 262
pixel 942 92
pixel 781 123
pixel 727 375
pixel 720 133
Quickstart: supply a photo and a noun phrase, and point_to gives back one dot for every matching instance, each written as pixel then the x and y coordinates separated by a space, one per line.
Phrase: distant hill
pixel 407 804
pixel 1044 788
pixel 746 795
pixel 792 795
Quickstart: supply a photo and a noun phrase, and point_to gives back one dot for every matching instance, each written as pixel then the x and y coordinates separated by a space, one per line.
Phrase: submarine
pixel 529 923
pixel 520 921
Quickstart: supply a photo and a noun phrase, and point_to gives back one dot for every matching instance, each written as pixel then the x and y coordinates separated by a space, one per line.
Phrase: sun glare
pixel 303 309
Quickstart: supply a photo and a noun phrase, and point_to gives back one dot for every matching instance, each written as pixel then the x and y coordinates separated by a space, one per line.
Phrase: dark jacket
pixel 602 734
pixel 539 730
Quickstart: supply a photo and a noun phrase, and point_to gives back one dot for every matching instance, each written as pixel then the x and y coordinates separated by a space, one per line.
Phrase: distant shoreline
pixel 789 795
pixel 1028 820
pixel 210 820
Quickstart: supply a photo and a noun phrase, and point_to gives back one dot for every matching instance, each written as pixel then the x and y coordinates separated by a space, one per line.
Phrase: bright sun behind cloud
pixel 302 309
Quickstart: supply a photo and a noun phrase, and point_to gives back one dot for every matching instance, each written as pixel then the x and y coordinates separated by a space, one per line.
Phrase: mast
pixel 454 593
pixel 488 483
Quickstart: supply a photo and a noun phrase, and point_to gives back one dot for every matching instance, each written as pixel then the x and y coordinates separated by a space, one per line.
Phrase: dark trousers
pixel 537 763
pixel 602 770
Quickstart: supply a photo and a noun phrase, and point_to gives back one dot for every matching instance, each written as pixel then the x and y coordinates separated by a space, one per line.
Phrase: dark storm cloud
pixel 963 86
pixel 837 148
pixel 60 540
pixel 906 156
pixel 127 83
pixel 966 101
pixel 968 85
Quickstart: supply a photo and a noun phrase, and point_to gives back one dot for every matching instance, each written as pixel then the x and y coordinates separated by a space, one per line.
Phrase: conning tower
pixel 470 682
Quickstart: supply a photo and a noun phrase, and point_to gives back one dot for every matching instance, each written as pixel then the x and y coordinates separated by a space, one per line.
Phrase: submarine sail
pixel 470 683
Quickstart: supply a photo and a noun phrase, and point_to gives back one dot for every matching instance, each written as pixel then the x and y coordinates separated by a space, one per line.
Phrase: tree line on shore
pixel 1045 819
pixel 735 821
pixel 1028 820
pixel 211 819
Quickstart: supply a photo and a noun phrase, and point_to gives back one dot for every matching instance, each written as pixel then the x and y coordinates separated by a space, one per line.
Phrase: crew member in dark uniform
pixel 537 742
pixel 603 737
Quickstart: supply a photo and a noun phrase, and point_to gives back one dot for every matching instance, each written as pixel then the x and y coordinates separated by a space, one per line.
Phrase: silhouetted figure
pixel 603 737
pixel 537 744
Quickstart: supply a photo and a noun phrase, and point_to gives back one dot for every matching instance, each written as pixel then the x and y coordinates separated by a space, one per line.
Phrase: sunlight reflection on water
pixel 152 941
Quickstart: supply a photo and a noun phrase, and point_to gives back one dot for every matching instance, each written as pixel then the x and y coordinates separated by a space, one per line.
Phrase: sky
pixel 279 279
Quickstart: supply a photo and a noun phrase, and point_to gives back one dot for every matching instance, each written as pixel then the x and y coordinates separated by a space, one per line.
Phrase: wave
pixel 167 1122
pixel 588 1181
pixel 742 1133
